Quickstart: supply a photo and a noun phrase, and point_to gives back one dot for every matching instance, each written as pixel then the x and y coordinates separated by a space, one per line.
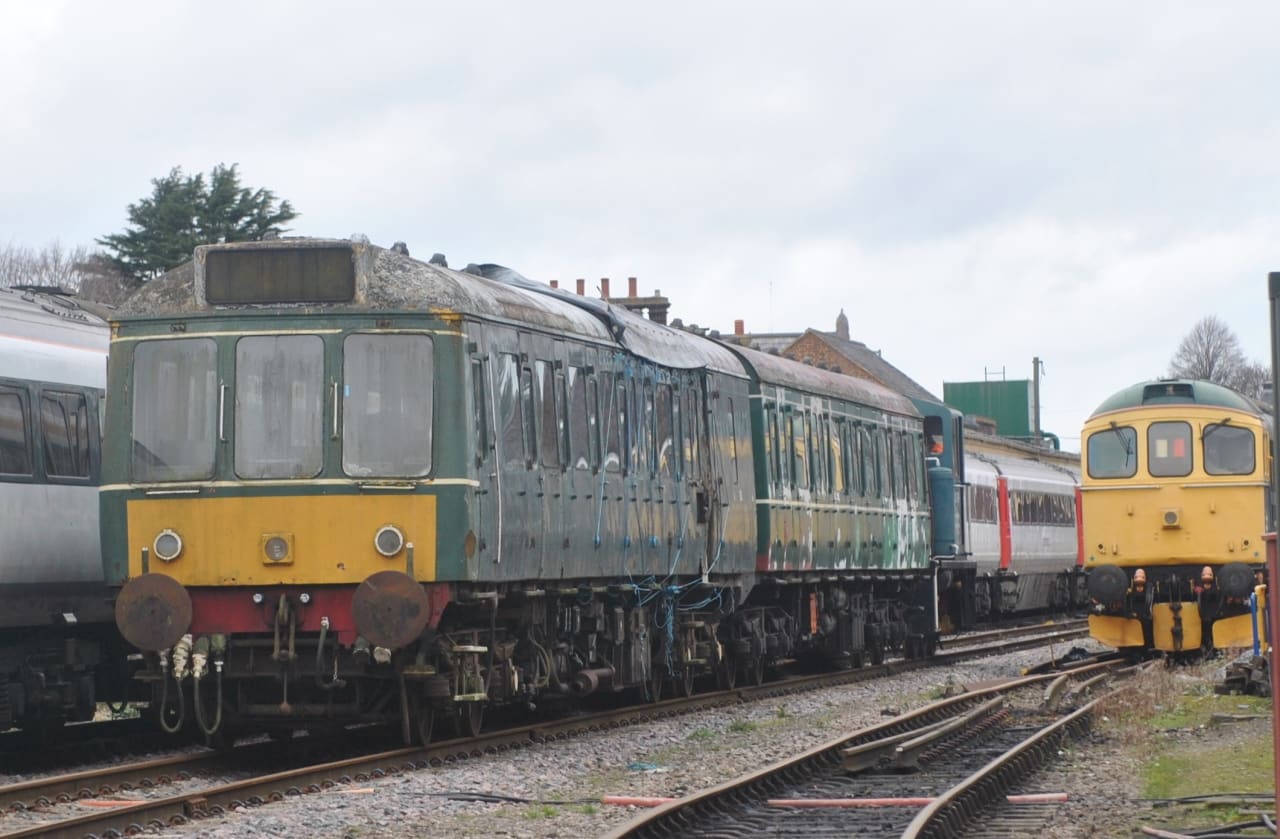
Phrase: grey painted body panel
pixel 48 531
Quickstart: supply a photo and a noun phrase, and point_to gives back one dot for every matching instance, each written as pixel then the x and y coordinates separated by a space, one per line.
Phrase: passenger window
pixel 593 423
pixel 799 452
pixel 643 460
pixel 870 470
pixel 613 415
pixel 529 416
pixel 64 426
pixel 480 403
pixel 15 455
pixel 562 419
pixel 664 441
pixel 511 438
pixel 836 439
pixel 544 394
pixel 733 440
pixel 1169 449
pixel 580 425
pixel 782 456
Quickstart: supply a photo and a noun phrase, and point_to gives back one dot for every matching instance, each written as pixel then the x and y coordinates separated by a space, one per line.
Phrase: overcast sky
pixel 975 184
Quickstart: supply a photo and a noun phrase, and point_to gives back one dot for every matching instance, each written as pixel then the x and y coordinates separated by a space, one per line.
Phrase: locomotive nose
pixel 153 612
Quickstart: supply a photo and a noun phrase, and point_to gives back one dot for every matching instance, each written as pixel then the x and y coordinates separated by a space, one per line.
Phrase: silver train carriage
pixel 54 606
pixel 1022 529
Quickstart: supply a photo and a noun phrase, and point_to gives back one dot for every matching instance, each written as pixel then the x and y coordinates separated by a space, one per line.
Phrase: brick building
pixel 834 351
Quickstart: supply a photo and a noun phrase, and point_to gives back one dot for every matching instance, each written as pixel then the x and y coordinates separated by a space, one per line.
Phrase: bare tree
pixel 53 266
pixel 17 264
pixel 1211 351
pixel 1252 379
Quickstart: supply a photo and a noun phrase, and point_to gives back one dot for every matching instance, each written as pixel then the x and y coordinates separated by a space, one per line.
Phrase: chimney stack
pixel 631 287
pixel 555 283
pixel 604 287
pixel 582 287
pixel 739 327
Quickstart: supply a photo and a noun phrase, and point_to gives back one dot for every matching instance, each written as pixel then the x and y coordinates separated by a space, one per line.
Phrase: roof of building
pixel 874 363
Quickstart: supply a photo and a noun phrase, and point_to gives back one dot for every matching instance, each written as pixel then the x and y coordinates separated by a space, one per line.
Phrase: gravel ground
pixel 559 785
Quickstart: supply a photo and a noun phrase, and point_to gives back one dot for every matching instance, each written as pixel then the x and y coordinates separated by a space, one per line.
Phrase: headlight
pixel 388 541
pixel 276 549
pixel 167 546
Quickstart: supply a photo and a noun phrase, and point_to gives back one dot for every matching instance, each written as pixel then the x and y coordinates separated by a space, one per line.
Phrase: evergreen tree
pixel 184 211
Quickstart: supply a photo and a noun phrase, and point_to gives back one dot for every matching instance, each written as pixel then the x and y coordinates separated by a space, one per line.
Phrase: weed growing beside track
pixel 1187 741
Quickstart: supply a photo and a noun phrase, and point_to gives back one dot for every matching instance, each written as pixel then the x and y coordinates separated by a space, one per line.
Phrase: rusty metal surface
pixel 653 341
pixel 153 611
pixel 741 806
pixel 775 370
pixel 390 609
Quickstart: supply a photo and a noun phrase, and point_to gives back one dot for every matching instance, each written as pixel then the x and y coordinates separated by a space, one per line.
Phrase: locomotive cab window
pixel 175 401
pixel 1169 449
pixel 279 406
pixel 386 406
pixel 1228 450
pixel 1113 453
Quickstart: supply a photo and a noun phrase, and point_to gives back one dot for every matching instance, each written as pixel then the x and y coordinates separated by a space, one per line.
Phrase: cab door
pixel 485 501
pixel 706 469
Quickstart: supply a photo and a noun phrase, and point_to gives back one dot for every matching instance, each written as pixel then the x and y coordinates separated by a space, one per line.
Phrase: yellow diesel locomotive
pixel 1176 477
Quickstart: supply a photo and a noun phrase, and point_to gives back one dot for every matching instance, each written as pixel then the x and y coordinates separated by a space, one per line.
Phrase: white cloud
pixel 975 184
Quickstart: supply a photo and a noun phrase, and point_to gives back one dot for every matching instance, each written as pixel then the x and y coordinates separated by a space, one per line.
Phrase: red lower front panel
pixel 233 611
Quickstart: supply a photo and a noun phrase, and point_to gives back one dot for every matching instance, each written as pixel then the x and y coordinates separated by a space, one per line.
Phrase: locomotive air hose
pixel 321 682
pixel 199 706
pixel 164 702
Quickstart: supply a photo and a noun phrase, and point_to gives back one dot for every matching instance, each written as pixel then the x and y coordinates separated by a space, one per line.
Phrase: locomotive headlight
pixel 167 546
pixel 276 548
pixel 388 541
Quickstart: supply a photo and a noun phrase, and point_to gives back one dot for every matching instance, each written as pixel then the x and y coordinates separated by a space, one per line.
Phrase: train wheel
pixel 727 674
pixel 877 654
pixel 424 719
pixel 470 719
pixel 684 681
pixel 652 688
pixel 755 670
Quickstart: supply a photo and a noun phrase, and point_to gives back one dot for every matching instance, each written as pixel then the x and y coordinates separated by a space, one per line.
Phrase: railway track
pixel 171 791
pixel 23 751
pixel 927 773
